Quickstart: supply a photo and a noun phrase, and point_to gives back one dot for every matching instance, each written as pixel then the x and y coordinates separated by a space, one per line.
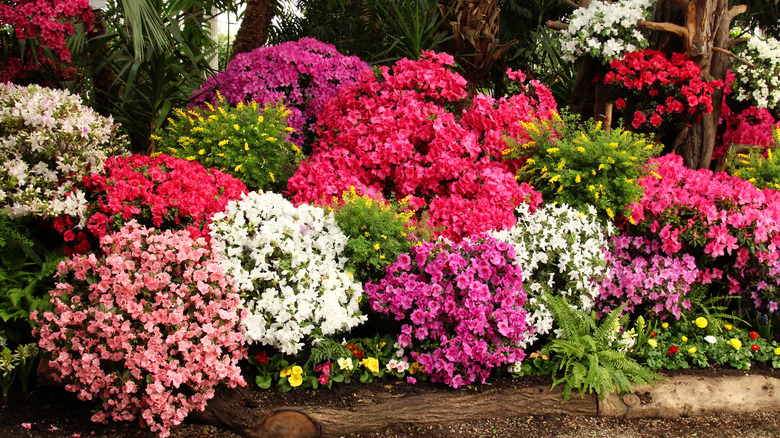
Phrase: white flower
pixel 711 339
pixel 345 363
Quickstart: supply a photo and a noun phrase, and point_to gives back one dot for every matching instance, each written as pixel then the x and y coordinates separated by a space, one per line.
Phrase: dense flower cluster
pixel 49 22
pixel 48 141
pixel 236 140
pixel 462 307
pixel 641 275
pixel 726 223
pixel 288 264
pixel 302 74
pixel 400 135
pixel 605 30
pixel 752 126
pixel 759 83
pixel 674 87
pixel 163 192
pixel 150 329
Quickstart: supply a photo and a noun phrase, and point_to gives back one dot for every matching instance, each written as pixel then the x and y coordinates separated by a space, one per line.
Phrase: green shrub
pixel 763 171
pixel 581 164
pixel 244 141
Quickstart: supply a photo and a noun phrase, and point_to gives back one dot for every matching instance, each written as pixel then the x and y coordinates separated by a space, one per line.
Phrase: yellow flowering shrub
pixel 247 141
pixel 762 169
pixel 581 164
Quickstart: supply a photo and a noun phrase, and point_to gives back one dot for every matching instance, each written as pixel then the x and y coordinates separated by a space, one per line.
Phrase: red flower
pixel 753 335
pixel 262 358
pixel 654 334
pixel 673 349
pixel 755 347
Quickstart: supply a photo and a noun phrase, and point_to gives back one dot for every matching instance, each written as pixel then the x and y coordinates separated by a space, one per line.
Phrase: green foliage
pixel 242 141
pixel 378 232
pixel 761 169
pixel 593 357
pixel 413 26
pixel 581 164
pixel 16 363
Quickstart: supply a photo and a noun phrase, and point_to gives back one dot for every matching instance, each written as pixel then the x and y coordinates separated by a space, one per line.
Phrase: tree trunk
pixel 255 25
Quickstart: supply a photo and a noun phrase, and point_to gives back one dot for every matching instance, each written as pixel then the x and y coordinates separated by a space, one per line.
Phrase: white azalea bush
pixel 288 264
pixel 562 252
pixel 759 85
pixel 48 140
pixel 606 30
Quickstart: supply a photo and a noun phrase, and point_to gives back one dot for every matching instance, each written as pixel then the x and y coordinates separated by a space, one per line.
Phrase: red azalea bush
pixel 162 191
pixel 149 329
pixel 674 87
pixel 404 133
pixel 302 74
pixel 48 22
pixel 752 126
pixel 462 307
pixel 728 225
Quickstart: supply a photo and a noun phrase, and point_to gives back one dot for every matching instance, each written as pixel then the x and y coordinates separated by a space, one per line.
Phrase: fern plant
pixel 590 356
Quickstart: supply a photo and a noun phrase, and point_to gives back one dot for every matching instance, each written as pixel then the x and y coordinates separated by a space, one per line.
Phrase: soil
pixel 54 412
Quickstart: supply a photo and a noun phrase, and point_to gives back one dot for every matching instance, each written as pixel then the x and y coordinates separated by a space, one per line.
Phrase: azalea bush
pixel 402 134
pixel 33 29
pixel 658 89
pixel 288 264
pixel 759 83
pixel 236 140
pixel 752 126
pixel 606 30
pixel 162 191
pixel 724 222
pixel 561 252
pixel 302 74
pixel 462 306
pixel 149 329
pixel 48 141
pixel 583 165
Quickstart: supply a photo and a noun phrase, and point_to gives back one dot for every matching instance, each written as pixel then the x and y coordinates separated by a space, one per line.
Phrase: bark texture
pixel 255 25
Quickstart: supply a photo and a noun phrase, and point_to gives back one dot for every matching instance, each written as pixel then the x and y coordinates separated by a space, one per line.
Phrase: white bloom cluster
pixel 759 85
pixel 287 262
pixel 561 251
pixel 48 139
pixel 605 30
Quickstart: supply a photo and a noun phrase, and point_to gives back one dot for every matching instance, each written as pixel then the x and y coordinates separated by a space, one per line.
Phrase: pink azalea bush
pixel 302 74
pixel 728 225
pixel 462 307
pixel 660 88
pixel 162 191
pixel 149 329
pixel 752 126
pixel 403 134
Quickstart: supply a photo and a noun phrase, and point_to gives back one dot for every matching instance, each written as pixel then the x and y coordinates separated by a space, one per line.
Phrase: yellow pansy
pixel 652 342
pixel 701 322
pixel 295 380
pixel 284 373
pixel 371 364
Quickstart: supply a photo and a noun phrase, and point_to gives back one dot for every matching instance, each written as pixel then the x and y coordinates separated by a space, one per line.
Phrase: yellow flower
pixel 376 246
pixel 284 373
pixel 555 178
pixel 560 189
pixel 777 351
pixel 191 157
pixel 728 326
pixel 613 145
pixel 371 364
pixel 591 187
pixel 297 370
pixel 237 168
pixel 270 139
pixel 246 146
pixel 383 236
pixel 236 127
pixel 652 342
pixel 577 179
pixel 552 150
pixel 610 213
pixel 295 380
pixel 271 174
pixel 259 119
pixel 692 350
pixel 601 166
pixel 665 325
pixel 367 234
pixel 580 149
pixel 701 322
pixel 201 152
pixel 289 129
pixel 684 338
pixel 736 343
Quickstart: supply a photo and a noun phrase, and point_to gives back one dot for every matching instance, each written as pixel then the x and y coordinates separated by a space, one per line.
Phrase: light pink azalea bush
pixel 462 307
pixel 149 329
pixel 302 74
pixel 726 224
pixel 410 132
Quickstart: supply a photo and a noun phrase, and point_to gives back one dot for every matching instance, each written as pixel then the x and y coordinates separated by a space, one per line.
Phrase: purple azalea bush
pixel 303 74
pixel 462 307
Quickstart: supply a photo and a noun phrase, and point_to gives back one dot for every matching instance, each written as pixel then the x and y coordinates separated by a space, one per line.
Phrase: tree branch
pixel 571 4
pixel 666 27
pixel 732 55
pixel 557 25
pixel 738 41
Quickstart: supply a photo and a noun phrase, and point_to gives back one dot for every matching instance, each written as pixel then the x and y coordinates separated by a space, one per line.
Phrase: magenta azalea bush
pixel 728 225
pixel 302 74
pixel 162 191
pixel 149 329
pixel 752 126
pixel 462 307
pixel 404 134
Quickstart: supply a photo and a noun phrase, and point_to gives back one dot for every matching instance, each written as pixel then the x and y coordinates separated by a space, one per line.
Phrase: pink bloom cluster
pixel 640 274
pixel 302 74
pixel 150 328
pixel 674 86
pixel 461 304
pixel 404 134
pixel 752 126
pixel 49 22
pixel 163 191
pixel 727 223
